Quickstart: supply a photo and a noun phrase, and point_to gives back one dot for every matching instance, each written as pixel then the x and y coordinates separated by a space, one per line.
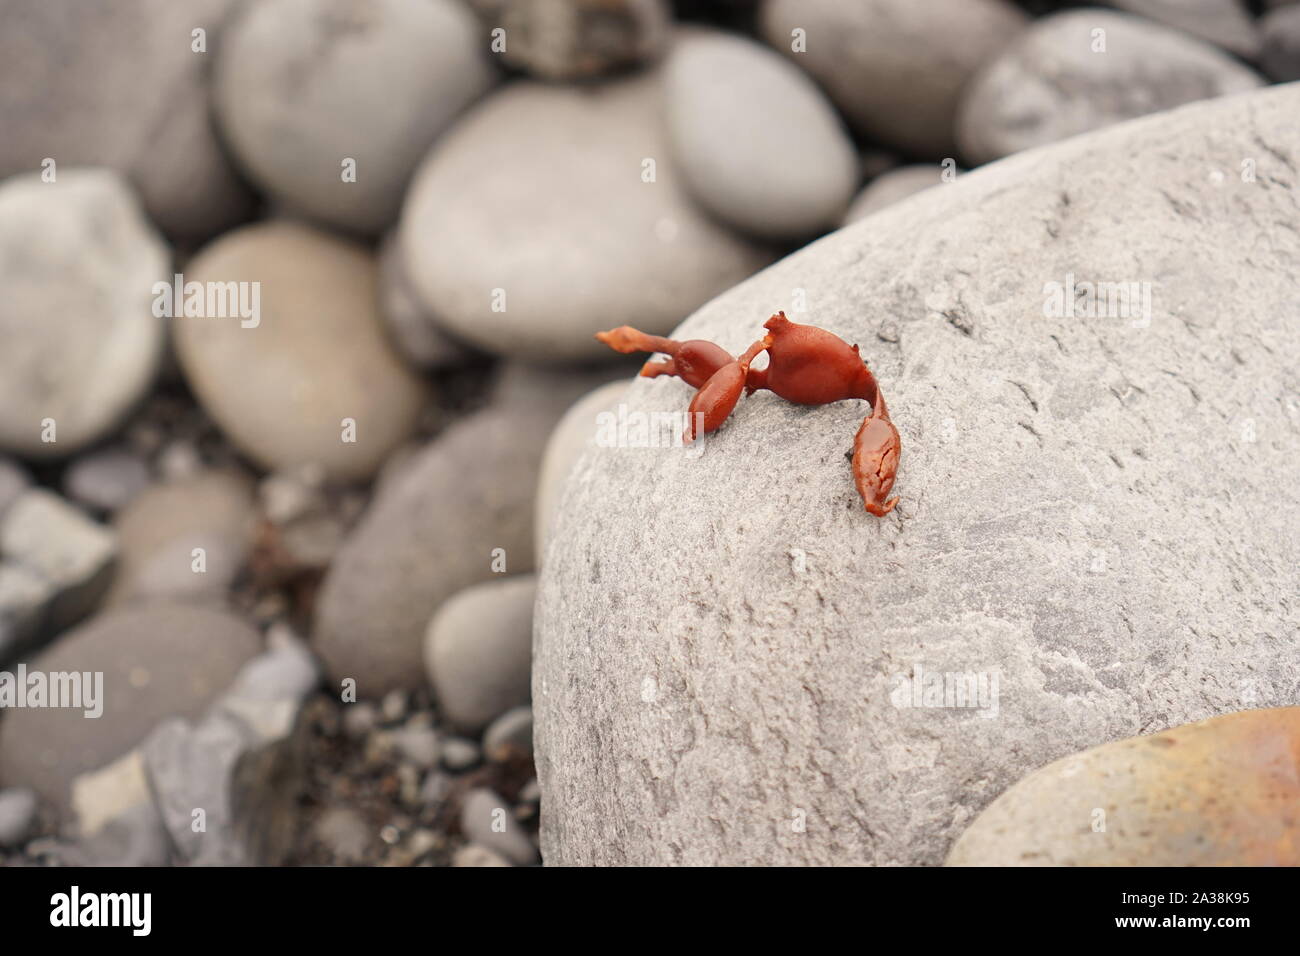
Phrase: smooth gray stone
pixel 302 85
pixel 536 222
pixel 487 819
pixel 895 68
pixel 478 649
pixel 758 143
pixel 78 262
pixel 120 85
pixel 1225 23
pixel 1051 83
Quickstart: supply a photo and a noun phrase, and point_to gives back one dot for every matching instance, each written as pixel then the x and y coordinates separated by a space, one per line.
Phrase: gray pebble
pixel 1225 23
pixel 160 530
pixel 359 719
pixel 78 262
pixel 1052 83
pixel 474 855
pixel 345 833
pixel 758 143
pixel 303 85
pixel 459 754
pixel 419 745
pixel 17 815
pixel 478 651
pixel 895 68
pixel 57 543
pixel 393 706
pixel 539 167
pixel 435 788
pixel 107 479
pixel 511 733
pixel 488 820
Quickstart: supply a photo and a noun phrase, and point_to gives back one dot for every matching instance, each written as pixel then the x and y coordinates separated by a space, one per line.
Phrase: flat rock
pixel 160 530
pixel 578 39
pixel 281 388
pixel 303 85
pixel 891 186
pixel 121 86
pixel 1225 23
pixel 242 763
pixel 757 142
pixel 535 169
pixel 478 651
pixel 458 513
pixel 1091 537
pixel 1051 84
pixel 157 661
pixel 895 68
pixel 1157 800
pixel 81 344
pixel 57 544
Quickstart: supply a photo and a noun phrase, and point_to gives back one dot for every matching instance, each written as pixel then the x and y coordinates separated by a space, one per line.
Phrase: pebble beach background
pixel 301 540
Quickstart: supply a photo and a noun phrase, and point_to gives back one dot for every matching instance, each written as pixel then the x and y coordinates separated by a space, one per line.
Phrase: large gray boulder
pixel 1096 532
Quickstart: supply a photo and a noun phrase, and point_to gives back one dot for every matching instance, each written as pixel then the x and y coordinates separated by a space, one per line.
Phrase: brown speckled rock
pixel 1221 792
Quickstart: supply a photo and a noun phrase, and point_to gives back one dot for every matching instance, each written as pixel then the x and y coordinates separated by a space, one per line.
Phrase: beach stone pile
pixel 301 414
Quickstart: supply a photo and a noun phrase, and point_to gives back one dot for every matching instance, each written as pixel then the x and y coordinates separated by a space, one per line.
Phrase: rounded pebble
pixel 312 379
pixel 78 262
pixel 305 87
pixel 755 139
